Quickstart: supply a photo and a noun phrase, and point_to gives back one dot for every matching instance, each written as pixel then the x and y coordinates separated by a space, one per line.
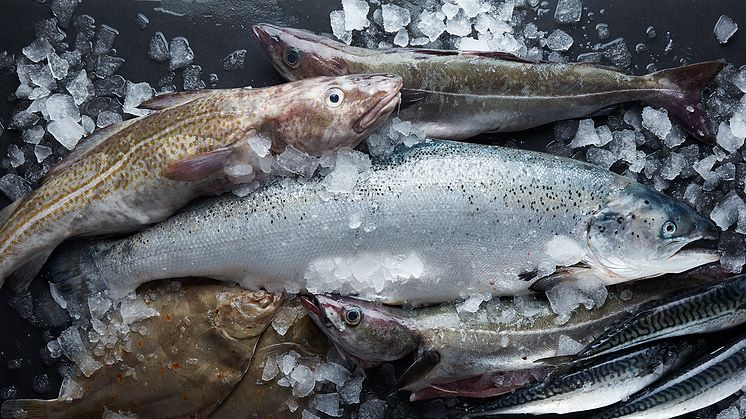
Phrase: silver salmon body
pixel 432 223
pixel 459 94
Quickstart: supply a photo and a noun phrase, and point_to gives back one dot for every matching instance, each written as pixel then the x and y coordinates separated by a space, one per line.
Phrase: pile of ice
pixel 329 383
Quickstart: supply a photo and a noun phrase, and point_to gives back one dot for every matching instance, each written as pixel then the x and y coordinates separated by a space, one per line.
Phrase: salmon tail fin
pixel 685 105
pixel 31 409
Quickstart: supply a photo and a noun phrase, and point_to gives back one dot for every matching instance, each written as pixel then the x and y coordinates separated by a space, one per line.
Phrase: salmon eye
pixel 669 228
pixel 292 58
pixel 334 97
pixel 352 315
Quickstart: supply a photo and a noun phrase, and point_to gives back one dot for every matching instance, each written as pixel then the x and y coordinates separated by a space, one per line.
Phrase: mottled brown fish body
pixel 192 355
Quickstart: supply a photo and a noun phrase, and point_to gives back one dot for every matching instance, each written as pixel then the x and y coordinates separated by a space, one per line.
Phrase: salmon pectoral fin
pixel 418 370
pixel 561 275
pixel 33 408
pixel 22 277
pixel 685 107
pixel 168 100
pixel 199 166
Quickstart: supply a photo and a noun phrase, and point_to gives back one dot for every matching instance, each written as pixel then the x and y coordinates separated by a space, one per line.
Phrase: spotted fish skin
pixel 119 183
pixel 702 383
pixel 462 218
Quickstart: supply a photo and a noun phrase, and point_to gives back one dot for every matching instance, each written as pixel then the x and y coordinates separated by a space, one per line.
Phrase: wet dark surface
pixel 216 28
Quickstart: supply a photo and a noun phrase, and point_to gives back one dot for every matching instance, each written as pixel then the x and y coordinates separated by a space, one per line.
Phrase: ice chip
pixel 15 155
pixel 42 77
pixel 64 10
pixel 568 11
pixel 559 40
pixel 283 319
pixel 372 409
pixel 107 65
pixel 235 60
pixel 137 309
pixel 80 87
pixel 356 14
pixel 105 37
pixel 725 28
pixel 88 124
pixel 725 213
pixel 586 135
pixel 41 152
pixel 615 52
pixel 303 381
pixel 60 105
pixel 460 26
pixel 656 121
pixel 739 78
pixel 402 38
pixel 66 131
pixel 450 10
pixel 471 8
pixel 350 391
pixel 23 120
pixel 298 162
pixel 327 403
pixel 288 362
pixel 738 122
pixel 181 54
pixel 193 78
pixel 57 66
pixel 38 50
pixel 471 304
pixel 568 346
pixel 395 17
pixel 107 118
pixel 159 48
pixel 270 370
pixel 337 19
pixel 33 135
pixel 601 157
pixel 72 346
pixel 14 186
pixel 142 21
pixel 332 372
pixel 732 251
pixel 727 140
pixel 134 95
pixel 431 25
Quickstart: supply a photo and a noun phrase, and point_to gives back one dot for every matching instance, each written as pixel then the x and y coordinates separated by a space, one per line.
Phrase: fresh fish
pixel 141 170
pixel 434 223
pixel 255 398
pixel 593 384
pixel 702 383
pixel 191 356
pixel 459 94
pixel 450 354
pixel 706 309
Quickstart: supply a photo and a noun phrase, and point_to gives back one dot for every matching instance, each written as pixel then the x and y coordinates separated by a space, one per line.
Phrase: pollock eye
pixel 334 97
pixel 292 57
pixel 669 228
pixel 352 315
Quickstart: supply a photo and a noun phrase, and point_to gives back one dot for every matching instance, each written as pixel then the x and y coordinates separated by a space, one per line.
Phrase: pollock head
pixel 643 234
pixel 326 113
pixel 364 330
pixel 244 314
pixel 299 54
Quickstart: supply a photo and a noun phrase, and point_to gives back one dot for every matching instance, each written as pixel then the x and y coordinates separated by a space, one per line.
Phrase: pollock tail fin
pixel 33 409
pixel 685 105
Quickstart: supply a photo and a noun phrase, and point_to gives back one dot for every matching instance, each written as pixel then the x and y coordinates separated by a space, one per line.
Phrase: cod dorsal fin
pixel 168 100
pixel 6 212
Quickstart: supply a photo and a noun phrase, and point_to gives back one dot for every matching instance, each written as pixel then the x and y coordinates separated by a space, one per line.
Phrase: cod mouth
pixel 384 107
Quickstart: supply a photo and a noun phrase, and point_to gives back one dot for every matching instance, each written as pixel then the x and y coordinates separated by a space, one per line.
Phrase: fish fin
pixel 199 166
pixel 690 80
pixel 168 100
pixel 31 409
pixel 528 275
pixel 86 145
pixel 66 272
pixel 410 96
pixel 603 111
pixel 500 56
pixel 602 67
pixel 6 212
pixel 564 274
pixel 556 360
pixel 24 274
pixel 419 368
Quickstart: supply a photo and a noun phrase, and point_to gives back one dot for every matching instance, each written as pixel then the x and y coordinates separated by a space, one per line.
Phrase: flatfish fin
pixel 34 408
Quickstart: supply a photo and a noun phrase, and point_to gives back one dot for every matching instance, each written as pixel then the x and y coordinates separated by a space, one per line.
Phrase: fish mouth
pixel 262 32
pixel 384 107
pixel 696 253
pixel 313 307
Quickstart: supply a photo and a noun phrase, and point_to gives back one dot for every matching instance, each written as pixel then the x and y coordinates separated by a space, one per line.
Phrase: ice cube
pixel 739 78
pixel 41 152
pixel 395 17
pixel 356 14
pixel 471 304
pixel 431 24
pixel 106 118
pixel 298 162
pixel 15 155
pixel 402 38
pixel 332 372
pixel 159 48
pixel 42 77
pixel 133 310
pixel 725 28
pixel 568 346
pixel 38 50
pixel 270 369
pixel 601 157
pixel 350 391
pixel 565 297
pixel 471 8
pixel 72 346
pixel 134 95
pixel 14 186
pixel 87 123
pixel 460 26
pixel 327 403
pixel 602 31
pixel 80 87
pixel 33 135
pixel 106 65
pixel 449 9
pixel 337 20
pixel 142 21
pixel 181 54
pixel 64 10
pixel 284 318
pixel 105 37
pixel 60 105
pixel 235 60
pixel 616 52
pixel 738 122
pixel 372 409
pixel 559 40
pixel 726 211
pixel 656 121
pixel 57 66
pixel 288 362
pixel 568 11
pixel 730 413
pixel 66 131
pixel 727 140
pixel 303 381
pixel 193 78
pixel 586 135
pixel 672 166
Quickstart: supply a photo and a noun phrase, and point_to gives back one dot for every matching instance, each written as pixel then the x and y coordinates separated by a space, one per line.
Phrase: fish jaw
pixel 381 110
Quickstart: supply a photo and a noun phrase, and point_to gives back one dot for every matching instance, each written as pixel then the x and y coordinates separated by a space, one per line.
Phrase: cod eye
pixel 669 228
pixel 334 97
pixel 292 58
pixel 352 315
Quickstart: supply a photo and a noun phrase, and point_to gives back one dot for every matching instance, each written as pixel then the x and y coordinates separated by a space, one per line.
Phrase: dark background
pixel 215 28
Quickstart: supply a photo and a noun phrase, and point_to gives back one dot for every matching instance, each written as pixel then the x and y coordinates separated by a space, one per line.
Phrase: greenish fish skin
pixel 699 384
pixel 459 94
pixel 703 310
pixel 594 384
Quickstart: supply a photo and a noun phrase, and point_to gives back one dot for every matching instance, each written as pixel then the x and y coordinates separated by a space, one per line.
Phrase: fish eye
pixel 352 315
pixel 292 58
pixel 669 228
pixel 334 97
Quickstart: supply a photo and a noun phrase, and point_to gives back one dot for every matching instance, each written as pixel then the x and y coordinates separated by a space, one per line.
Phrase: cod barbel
pixel 460 94
pixel 142 170
pixel 429 224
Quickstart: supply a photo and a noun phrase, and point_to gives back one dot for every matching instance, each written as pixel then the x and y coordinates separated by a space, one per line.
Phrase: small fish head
pixel 244 314
pixel 643 234
pixel 327 113
pixel 361 329
pixel 299 54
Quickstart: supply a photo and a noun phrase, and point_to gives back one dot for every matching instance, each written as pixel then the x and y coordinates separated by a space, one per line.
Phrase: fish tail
pixel 75 275
pixel 685 104
pixel 32 408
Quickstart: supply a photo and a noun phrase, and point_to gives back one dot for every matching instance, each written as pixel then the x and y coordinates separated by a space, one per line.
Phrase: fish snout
pixel 265 32
pixel 388 88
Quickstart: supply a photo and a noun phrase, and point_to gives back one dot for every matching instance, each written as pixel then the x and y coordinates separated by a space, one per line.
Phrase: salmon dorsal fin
pixel 87 144
pixel 168 100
